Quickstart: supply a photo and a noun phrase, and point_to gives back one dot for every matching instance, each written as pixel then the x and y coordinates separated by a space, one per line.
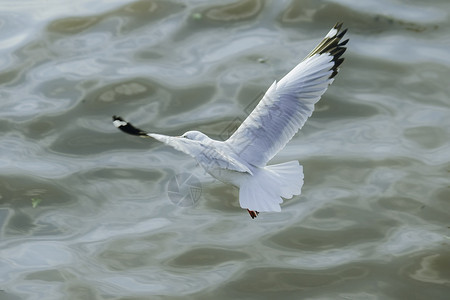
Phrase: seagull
pixel 242 159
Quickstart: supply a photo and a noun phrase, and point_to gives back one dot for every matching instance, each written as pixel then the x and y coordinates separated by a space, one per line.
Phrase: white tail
pixel 263 190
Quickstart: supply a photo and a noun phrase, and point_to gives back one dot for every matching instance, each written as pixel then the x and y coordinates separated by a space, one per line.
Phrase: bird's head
pixel 195 136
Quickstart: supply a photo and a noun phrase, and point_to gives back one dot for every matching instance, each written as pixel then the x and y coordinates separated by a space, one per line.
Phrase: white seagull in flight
pixel 242 159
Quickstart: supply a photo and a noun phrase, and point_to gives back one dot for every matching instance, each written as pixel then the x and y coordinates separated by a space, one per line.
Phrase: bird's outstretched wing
pixel 288 103
pixel 211 157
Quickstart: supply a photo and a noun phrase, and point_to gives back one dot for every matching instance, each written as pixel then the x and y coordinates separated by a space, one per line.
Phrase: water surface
pixel 86 213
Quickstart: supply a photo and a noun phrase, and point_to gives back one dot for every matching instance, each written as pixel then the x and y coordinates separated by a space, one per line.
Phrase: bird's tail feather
pixel 263 191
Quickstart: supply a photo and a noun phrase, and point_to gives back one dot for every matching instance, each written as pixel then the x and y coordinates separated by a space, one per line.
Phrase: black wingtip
pixel 336 48
pixel 127 127
pixel 332 44
pixel 343 32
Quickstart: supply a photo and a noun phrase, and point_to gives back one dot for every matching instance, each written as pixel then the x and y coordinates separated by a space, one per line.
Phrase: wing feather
pixel 209 154
pixel 287 104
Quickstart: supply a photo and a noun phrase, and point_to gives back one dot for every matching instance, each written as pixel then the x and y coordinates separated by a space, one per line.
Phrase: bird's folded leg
pixel 253 213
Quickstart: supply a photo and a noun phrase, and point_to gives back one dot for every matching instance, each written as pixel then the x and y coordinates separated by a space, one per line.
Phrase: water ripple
pixel 85 211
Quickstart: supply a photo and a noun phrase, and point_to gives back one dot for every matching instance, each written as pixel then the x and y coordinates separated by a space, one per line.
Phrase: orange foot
pixel 253 213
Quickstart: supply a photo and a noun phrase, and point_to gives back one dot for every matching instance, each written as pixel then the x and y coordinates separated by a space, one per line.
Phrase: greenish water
pixel 86 211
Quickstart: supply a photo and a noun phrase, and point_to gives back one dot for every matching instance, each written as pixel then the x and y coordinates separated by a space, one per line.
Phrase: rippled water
pixel 85 211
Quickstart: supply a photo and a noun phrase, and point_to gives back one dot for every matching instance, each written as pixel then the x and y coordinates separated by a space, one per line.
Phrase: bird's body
pixel 242 159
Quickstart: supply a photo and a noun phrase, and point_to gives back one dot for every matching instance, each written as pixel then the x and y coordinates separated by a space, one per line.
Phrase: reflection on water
pixel 85 211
